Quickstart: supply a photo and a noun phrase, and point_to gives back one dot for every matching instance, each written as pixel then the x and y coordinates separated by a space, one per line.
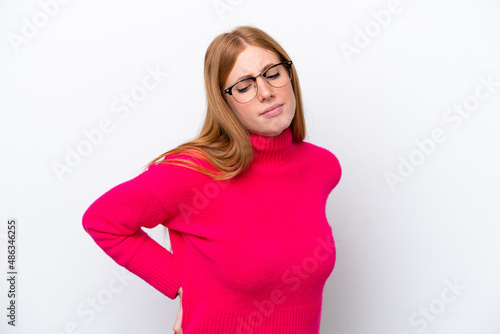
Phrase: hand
pixel 178 321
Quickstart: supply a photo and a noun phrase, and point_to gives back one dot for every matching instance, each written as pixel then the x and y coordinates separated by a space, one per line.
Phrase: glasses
pixel 245 90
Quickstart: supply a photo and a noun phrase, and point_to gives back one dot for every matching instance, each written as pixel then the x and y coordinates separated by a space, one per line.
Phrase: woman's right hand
pixel 178 321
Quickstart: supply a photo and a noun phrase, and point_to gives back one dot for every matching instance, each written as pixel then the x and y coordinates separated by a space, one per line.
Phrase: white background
pixel 397 247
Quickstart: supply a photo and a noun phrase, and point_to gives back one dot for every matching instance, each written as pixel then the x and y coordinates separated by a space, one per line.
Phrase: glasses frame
pixel 263 74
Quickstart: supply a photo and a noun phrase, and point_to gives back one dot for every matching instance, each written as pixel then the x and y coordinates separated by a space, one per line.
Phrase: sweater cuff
pixel 155 264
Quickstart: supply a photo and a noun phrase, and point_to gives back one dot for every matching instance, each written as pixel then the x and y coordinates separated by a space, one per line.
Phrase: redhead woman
pixel 243 203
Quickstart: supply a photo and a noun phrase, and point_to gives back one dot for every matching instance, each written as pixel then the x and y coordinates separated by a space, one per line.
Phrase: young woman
pixel 244 203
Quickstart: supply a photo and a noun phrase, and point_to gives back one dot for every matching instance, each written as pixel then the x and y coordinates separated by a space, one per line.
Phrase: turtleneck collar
pixel 272 151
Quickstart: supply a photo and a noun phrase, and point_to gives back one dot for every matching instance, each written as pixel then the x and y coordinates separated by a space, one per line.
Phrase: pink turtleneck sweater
pixel 252 253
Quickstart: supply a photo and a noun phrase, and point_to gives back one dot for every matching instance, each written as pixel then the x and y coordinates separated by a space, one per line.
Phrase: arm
pixel 114 221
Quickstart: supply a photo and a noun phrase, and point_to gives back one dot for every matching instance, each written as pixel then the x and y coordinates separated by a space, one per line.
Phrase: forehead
pixel 252 61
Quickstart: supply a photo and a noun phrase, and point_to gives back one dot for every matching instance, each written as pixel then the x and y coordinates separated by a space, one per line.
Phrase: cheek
pixel 289 92
pixel 291 99
pixel 237 109
pixel 232 106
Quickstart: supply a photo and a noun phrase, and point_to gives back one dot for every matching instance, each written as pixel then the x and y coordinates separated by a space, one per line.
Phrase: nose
pixel 265 90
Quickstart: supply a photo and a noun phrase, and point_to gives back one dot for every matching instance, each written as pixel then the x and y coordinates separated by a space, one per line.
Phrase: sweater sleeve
pixel 114 221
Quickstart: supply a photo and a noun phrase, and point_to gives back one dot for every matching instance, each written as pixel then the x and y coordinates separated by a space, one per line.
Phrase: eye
pixel 244 86
pixel 243 90
pixel 273 76
pixel 273 73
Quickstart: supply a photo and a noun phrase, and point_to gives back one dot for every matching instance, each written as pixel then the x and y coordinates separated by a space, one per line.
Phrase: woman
pixel 244 203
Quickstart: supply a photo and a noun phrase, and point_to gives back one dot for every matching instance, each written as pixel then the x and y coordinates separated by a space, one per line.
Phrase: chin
pixel 272 133
pixel 272 129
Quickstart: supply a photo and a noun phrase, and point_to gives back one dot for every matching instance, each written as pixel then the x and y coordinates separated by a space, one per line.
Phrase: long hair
pixel 223 140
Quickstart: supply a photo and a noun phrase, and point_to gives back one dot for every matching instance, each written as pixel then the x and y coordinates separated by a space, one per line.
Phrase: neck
pixel 272 151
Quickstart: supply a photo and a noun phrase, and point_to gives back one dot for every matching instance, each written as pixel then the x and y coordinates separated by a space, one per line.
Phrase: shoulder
pixel 326 162
pixel 179 163
pixel 176 172
pixel 320 154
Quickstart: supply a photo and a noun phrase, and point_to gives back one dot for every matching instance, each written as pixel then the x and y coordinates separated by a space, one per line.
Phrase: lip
pixel 272 110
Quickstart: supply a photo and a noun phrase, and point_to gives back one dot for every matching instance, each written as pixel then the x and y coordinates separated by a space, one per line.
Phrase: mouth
pixel 272 110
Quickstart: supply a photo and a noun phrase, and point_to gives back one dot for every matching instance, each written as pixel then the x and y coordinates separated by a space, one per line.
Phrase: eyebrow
pixel 249 76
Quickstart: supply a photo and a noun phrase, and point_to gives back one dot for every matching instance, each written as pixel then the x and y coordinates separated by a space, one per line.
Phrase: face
pixel 273 109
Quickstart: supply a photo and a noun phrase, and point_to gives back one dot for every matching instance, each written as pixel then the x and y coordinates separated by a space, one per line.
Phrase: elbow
pixel 90 221
pixel 86 221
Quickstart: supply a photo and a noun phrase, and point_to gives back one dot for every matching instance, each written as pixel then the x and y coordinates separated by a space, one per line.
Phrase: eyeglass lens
pixel 277 76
